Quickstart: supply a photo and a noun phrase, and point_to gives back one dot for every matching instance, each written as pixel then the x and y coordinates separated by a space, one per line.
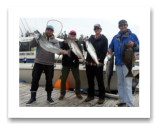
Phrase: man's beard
pixel 48 35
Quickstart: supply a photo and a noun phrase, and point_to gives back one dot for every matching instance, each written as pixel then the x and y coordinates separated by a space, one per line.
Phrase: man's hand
pixel 98 59
pixel 94 61
pixel 65 42
pixel 131 43
pixel 62 52
pixel 85 39
pixel 79 57
pixel 109 52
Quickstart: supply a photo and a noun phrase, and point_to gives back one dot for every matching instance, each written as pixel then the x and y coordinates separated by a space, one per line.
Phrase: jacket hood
pixel 119 33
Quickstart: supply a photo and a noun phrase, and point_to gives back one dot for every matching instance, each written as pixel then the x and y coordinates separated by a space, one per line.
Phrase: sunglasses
pixel 72 34
pixel 96 28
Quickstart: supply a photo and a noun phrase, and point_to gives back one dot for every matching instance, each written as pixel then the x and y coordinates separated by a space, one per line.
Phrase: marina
pixel 70 99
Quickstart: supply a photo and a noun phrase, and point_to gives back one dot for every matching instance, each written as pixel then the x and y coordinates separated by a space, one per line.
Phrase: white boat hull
pixel 25 74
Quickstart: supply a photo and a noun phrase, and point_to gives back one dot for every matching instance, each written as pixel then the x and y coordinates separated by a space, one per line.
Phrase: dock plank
pixel 108 103
pixel 70 99
pixel 89 104
pixel 65 101
pixel 40 93
pixel 41 101
pixel 100 105
pixel 114 103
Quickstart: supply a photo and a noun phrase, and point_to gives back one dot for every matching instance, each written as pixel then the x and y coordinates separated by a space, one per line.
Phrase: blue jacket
pixel 118 42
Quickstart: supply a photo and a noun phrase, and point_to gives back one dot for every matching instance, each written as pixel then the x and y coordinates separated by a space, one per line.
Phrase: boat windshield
pixel 24 46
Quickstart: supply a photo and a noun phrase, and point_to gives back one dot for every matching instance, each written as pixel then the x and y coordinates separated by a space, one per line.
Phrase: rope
pixel 23 24
pixel 20 29
pixel 57 21
pixel 27 25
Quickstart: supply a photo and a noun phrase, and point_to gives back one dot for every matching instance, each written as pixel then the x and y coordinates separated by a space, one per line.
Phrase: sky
pixel 83 26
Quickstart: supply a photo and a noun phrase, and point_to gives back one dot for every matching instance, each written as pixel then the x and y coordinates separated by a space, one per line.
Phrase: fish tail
pixel 99 64
pixel 69 52
pixel 129 75
pixel 84 62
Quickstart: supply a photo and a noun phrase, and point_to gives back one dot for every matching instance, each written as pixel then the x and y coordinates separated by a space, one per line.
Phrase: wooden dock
pixel 70 99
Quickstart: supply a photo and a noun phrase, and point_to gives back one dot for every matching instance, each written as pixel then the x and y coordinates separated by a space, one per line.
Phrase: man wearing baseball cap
pixel 124 85
pixel 44 61
pixel 100 43
pixel 70 63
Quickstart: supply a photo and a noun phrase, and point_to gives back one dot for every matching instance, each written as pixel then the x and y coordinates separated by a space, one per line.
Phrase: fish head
pixel 69 40
pixel 87 43
pixel 126 45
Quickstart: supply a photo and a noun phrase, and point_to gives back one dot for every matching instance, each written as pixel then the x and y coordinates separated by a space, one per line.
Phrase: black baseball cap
pixel 122 22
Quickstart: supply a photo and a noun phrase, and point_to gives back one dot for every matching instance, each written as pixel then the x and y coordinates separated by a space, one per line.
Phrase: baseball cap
pixel 72 31
pixel 97 25
pixel 122 22
pixel 50 27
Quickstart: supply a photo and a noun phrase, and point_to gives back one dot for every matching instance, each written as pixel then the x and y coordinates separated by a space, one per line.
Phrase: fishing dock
pixel 70 99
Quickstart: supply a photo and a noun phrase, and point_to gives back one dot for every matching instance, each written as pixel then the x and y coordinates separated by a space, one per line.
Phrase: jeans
pixel 91 72
pixel 124 85
pixel 36 74
pixel 65 73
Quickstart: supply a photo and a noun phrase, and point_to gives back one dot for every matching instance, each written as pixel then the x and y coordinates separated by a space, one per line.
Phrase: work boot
pixel 49 99
pixel 79 96
pixel 89 99
pixel 33 99
pixel 119 104
pixel 101 101
pixel 61 97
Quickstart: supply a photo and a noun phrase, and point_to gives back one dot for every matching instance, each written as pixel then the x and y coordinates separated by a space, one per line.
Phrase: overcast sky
pixel 83 26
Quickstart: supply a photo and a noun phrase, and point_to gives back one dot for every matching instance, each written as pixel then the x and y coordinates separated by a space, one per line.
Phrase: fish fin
pixel 133 60
pixel 123 61
pixel 69 52
pixel 129 75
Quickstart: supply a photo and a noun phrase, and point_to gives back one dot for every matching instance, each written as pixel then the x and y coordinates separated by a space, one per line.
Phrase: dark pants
pixel 65 73
pixel 36 74
pixel 93 71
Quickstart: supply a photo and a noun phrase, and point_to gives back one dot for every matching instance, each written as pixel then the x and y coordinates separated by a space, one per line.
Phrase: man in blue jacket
pixel 124 84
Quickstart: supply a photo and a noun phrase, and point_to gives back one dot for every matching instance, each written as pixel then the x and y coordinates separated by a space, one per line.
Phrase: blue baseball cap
pixel 50 27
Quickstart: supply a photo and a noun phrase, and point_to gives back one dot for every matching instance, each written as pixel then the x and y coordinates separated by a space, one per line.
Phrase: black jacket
pixel 100 45
pixel 70 61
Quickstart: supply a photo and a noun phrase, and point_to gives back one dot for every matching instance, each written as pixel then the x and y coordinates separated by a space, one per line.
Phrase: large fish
pixel 75 48
pixel 48 46
pixel 128 58
pixel 109 70
pixel 91 50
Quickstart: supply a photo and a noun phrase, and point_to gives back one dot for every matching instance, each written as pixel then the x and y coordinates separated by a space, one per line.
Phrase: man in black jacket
pixel 100 43
pixel 70 63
